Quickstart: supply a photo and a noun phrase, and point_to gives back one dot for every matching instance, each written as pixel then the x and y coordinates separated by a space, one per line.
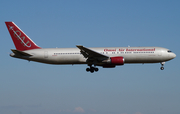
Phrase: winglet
pixel 21 41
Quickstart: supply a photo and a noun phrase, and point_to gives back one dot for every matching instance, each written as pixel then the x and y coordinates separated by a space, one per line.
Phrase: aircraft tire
pixel 87 69
pixel 92 69
pixel 96 69
pixel 162 68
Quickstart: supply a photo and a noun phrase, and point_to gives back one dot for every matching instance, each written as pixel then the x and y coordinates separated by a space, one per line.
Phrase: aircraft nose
pixel 173 55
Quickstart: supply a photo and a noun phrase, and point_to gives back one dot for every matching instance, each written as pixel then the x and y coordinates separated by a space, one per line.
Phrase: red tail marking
pixel 21 41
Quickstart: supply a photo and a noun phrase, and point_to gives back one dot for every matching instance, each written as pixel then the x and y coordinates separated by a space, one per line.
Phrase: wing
pixel 90 54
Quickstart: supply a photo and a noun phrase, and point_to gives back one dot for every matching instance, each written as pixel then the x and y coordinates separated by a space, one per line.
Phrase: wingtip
pixel 79 46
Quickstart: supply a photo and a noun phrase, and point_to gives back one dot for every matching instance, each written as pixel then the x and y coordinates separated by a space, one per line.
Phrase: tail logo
pixel 17 34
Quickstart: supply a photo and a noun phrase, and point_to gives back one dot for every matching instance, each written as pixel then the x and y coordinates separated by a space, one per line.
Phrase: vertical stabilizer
pixel 21 41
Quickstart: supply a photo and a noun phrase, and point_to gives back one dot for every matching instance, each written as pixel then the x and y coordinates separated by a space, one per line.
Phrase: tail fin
pixel 21 41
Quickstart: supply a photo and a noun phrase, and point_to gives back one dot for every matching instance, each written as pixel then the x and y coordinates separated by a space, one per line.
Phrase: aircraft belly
pixel 142 59
pixel 65 59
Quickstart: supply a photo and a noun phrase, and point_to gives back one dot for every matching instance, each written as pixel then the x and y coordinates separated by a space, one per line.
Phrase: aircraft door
pixel 46 54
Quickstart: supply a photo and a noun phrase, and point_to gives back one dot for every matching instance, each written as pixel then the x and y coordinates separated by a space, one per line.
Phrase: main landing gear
pixel 162 64
pixel 92 69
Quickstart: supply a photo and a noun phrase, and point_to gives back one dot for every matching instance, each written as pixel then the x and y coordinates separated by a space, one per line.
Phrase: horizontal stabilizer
pixel 20 52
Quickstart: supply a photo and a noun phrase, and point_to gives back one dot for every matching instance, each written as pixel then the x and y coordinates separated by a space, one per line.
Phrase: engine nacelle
pixel 117 60
pixel 113 61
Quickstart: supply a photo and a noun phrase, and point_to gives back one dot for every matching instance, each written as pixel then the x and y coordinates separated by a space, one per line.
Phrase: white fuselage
pixel 74 56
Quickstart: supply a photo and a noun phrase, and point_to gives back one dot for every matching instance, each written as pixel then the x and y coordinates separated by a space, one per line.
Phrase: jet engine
pixel 113 61
pixel 117 60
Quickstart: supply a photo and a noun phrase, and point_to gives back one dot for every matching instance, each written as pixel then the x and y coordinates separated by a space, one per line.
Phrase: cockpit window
pixel 169 51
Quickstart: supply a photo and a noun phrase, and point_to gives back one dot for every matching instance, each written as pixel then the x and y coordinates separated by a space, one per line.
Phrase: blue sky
pixel 36 88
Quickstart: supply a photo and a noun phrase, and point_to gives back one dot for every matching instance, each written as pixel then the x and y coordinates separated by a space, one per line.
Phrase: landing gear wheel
pixel 162 68
pixel 87 69
pixel 91 69
pixel 96 69
pixel 162 64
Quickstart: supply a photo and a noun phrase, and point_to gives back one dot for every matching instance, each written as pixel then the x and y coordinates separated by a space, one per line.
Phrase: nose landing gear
pixel 162 64
pixel 92 69
pixel 162 68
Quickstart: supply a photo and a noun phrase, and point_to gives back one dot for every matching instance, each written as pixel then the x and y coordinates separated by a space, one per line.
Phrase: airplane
pixel 106 57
